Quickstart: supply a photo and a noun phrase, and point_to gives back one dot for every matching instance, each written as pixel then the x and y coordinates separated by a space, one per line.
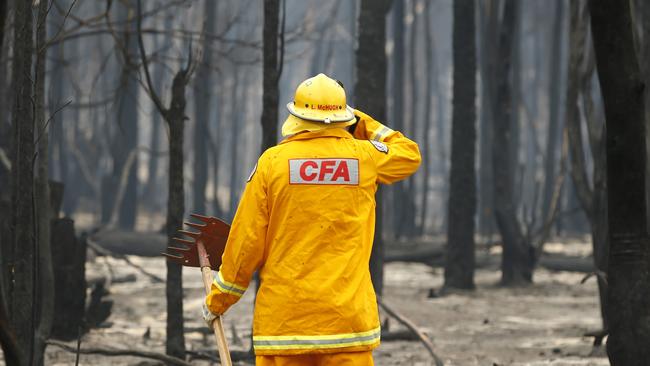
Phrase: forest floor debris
pixel 538 325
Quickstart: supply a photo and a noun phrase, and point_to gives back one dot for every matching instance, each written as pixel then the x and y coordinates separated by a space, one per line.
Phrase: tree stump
pixel 69 259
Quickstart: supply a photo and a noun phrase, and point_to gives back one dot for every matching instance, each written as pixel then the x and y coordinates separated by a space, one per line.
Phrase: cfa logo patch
pixel 324 171
pixel 380 146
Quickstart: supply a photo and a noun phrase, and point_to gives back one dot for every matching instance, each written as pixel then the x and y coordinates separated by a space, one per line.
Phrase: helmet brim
pixel 321 116
pixel 293 125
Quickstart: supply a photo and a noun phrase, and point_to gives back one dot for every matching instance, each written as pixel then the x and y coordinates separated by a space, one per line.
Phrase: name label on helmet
pixel 326 107
pixel 324 171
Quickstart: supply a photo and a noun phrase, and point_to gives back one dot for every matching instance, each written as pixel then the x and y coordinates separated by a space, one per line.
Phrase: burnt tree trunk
pixel 125 138
pixel 202 106
pixel 517 260
pixel 489 18
pixel 23 261
pixel 175 345
pixel 628 272
pixel 370 96
pixel 45 286
pixel 395 199
pixel 592 200
pixel 175 117
pixel 555 83
pixel 69 258
pixel 271 73
pixel 432 73
pixel 5 127
pixel 459 267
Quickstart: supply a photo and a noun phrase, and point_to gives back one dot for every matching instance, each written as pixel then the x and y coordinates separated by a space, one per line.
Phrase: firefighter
pixel 306 222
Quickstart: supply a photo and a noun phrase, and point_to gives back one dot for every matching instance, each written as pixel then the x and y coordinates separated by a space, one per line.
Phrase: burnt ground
pixel 542 324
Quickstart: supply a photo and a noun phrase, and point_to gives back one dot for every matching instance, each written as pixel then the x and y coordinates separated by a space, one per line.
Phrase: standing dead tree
pixel 45 280
pixel 518 254
pixel 23 246
pixel 175 117
pixel 272 71
pixel 370 95
pixel 592 198
pixel 628 274
pixel 459 267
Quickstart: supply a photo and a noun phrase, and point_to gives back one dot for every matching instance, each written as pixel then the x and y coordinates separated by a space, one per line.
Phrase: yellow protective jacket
pixel 306 221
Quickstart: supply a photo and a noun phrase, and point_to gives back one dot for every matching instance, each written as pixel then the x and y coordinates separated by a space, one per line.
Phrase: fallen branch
pixel 103 251
pixel 410 325
pixel 120 352
pixel 398 335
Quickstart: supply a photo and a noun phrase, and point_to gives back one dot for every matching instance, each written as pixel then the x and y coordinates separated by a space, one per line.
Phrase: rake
pixel 204 250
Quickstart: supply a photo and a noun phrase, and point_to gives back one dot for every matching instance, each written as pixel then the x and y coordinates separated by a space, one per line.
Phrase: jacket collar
pixel 329 132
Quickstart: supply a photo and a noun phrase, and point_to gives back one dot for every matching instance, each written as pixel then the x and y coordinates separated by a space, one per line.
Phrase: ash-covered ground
pixel 538 325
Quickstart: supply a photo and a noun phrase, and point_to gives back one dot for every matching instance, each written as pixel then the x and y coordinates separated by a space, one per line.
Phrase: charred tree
pixel 125 139
pixel 69 258
pixel 45 283
pixel 459 267
pixel 628 271
pixel 175 117
pixel 555 83
pixel 593 200
pixel 398 88
pixel 10 348
pixel 272 68
pixel 22 256
pixel 518 255
pixel 489 25
pixel 202 109
pixel 5 127
pixel 432 74
pixel 370 96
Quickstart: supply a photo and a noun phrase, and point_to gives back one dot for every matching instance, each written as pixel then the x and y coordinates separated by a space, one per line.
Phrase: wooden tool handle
pixel 217 326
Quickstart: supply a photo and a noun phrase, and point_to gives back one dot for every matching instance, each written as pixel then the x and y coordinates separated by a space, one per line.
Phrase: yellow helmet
pixel 319 103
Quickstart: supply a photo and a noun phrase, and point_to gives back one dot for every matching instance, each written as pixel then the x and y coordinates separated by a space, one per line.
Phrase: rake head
pixel 212 234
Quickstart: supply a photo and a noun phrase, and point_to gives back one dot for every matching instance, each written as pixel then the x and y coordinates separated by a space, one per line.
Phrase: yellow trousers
pixel 325 359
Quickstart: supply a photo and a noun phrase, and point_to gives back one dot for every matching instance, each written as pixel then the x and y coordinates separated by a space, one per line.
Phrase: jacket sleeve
pixel 245 246
pixel 396 156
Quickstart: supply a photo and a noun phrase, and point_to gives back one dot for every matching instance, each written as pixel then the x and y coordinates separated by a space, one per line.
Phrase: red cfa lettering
pixel 303 170
pixel 324 171
pixel 342 172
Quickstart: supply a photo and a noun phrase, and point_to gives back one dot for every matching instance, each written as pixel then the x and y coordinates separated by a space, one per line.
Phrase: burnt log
pixel 68 259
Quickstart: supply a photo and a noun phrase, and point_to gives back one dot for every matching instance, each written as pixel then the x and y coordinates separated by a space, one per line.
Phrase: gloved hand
pixel 208 316
pixel 360 131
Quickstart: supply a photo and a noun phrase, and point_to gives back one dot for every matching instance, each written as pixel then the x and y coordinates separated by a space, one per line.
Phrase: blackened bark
pixel 489 19
pixel 175 118
pixel 432 73
pixel 175 345
pixel 459 267
pixel 370 96
pixel 517 260
pixel 21 294
pixel 45 286
pixel 592 200
pixel 628 274
pixel 69 258
pixel 555 76
pixel 234 136
pixel 126 136
pixel 5 128
pixel 271 74
pixel 8 339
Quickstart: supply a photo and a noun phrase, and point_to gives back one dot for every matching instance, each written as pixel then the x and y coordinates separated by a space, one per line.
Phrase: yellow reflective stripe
pixel 314 342
pixel 382 132
pixel 228 287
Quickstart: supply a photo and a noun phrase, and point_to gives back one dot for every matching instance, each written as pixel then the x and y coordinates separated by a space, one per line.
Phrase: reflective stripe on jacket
pixel 306 222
